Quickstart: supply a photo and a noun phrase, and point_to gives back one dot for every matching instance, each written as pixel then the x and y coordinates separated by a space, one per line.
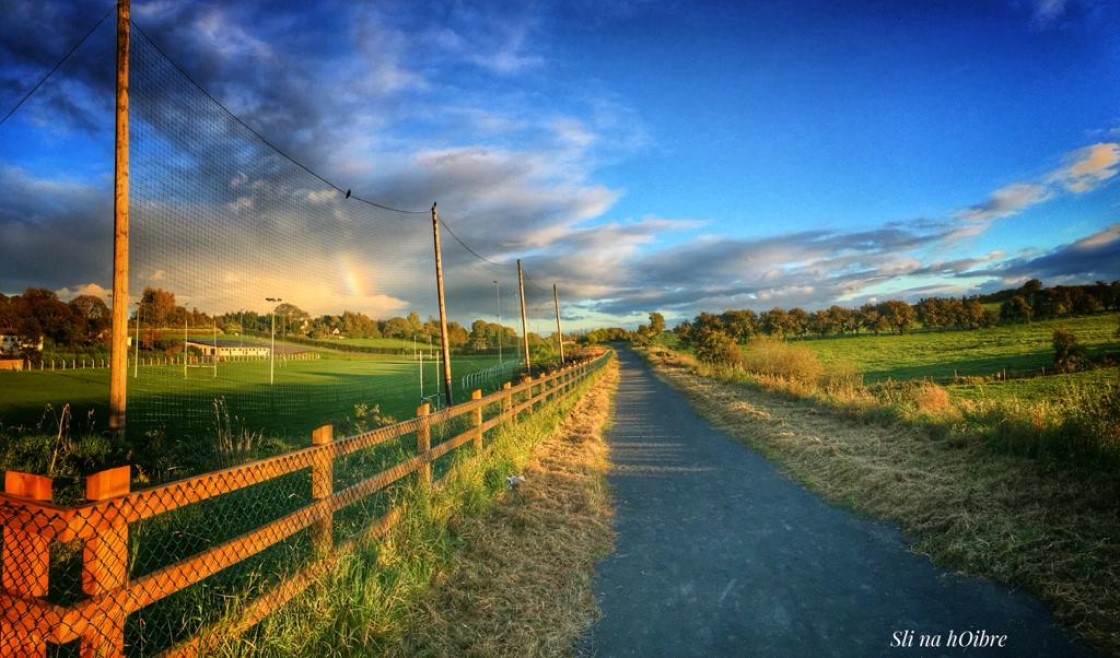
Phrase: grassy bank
pixel 379 600
pixel 976 353
pixel 1046 526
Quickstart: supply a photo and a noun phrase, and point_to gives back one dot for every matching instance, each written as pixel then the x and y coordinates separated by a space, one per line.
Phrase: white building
pixel 227 349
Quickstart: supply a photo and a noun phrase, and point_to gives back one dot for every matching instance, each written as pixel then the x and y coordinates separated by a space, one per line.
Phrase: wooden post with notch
pixel 105 563
pixel 424 443
pixel 26 560
pixel 524 322
pixel 476 419
pixel 322 487
pixel 507 400
pixel 559 333
pixel 118 353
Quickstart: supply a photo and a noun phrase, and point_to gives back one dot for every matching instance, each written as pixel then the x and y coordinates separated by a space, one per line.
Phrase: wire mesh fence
pixel 264 298
pixel 171 568
pixel 267 305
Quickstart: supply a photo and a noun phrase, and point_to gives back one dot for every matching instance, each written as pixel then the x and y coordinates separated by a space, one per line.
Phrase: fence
pixel 98 577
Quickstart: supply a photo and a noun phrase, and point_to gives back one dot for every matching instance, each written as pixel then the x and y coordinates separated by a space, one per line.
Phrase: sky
pixel 643 156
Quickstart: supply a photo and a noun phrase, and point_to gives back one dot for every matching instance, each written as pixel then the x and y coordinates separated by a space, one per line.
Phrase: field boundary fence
pixel 95 578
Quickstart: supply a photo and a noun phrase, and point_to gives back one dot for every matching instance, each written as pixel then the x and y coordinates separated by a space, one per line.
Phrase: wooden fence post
pixel 424 443
pixel 476 419
pixel 322 487
pixel 507 400
pixel 105 564
pixel 527 381
pixel 26 565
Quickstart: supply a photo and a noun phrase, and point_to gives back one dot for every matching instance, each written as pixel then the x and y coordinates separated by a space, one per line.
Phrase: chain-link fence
pixel 170 568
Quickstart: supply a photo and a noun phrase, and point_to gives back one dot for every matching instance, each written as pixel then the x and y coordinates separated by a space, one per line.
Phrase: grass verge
pixel 378 599
pixel 1049 530
pixel 521 583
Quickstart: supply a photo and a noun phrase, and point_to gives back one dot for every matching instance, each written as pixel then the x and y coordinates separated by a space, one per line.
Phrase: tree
pixel 873 319
pixel 480 335
pixel 900 316
pixel 797 322
pixel 158 307
pixel 91 312
pixel 773 322
pixel 684 333
pixel 740 325
pixel 1017 309
pixel 656 324
pixel 52 318
pixel 396 327
pixel 716 347
pixel 290 317
pixel 1068 355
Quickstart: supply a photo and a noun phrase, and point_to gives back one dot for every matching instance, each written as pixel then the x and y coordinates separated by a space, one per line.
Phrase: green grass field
pixel 982 353
pixel 305 393
pixel 389 343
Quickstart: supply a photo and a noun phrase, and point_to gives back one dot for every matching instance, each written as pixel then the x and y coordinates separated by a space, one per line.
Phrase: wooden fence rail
pixel 32 526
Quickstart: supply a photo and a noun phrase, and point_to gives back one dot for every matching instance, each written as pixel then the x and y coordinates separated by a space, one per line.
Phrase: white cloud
pixel 1088 168
pixel 1007 201
pixel 1085 170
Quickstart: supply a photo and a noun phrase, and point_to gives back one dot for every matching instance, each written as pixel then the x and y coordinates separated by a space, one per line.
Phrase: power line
pixel 57 66
pixel 460 241
pixel 261 137
pixel 299 164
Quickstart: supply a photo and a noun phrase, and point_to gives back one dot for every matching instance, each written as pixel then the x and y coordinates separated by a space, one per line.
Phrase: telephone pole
pixel 118 352
pixel 445 345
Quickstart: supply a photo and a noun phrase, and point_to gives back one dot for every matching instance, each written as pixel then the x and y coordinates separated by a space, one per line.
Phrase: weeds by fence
pixel 170 568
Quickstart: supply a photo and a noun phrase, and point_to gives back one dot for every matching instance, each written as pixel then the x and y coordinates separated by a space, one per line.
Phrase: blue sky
pixel 668 156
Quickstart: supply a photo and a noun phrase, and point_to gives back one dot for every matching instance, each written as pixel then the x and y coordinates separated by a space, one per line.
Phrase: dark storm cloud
pixel 1095 257
pixel 52 233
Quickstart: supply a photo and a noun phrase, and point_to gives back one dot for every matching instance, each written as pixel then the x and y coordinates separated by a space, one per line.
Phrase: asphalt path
pixel 720 554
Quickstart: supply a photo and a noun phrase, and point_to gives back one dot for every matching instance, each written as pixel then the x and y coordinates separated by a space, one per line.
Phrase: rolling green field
pixel 979 353
pixel 389 343
pixel 305 393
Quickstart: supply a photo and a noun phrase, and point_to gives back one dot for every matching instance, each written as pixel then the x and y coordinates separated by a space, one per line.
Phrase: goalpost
pixel 213 363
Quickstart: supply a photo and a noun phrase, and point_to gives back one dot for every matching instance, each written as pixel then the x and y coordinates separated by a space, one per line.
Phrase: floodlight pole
pixel 559 334
pixel 272 334
pixel 500 332
pixel 445 343
pixel 136 347
pixel 524 323
pixel 118 353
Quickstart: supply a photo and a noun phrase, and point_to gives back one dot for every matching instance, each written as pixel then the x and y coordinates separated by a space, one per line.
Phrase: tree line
pixel 39 316
pixel 1029 302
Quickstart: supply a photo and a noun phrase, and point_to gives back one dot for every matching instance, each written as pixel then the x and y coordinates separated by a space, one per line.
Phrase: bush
pixel 1068 355
pixel 716 347
pixel 772 357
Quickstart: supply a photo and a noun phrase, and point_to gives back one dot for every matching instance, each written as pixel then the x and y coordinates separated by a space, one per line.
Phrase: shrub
pixel 930 399
pixel 1068 355
pixel 716 347
pixel 772 357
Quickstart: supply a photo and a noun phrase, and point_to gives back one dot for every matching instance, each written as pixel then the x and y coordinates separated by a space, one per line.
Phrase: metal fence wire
pixel 171 569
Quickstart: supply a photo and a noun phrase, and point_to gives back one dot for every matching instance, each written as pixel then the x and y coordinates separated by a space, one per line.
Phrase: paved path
pixel 719 554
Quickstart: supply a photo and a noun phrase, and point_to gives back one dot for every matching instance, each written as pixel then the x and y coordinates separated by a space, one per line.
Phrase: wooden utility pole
pixel 559 334
pixel 524 324
pixel 118 361
pixel 445 344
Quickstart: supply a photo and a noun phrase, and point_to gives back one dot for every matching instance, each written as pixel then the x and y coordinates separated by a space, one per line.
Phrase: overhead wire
pixel 296 162
pixel 57 66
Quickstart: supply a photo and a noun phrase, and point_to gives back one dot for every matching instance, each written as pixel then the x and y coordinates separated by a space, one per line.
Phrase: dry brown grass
pixel 1053 532
pixel 521 585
